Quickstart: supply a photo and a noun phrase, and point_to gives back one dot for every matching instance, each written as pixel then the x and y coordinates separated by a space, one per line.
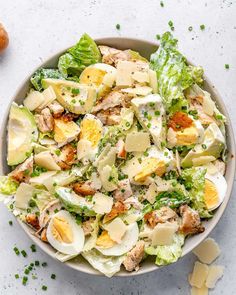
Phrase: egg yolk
pixel 105 241
pixel 92 76
pixel 151 165
pixel 211 196
pixel 61 230
pixel 91 130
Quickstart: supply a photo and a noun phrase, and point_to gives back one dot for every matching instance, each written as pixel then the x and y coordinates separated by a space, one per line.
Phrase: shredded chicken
pixel 124 190
pixel 191 222
pixel 67 157
pixel 87 226
pixel 162 215
pixel 84 188
pixel 117 208
pixel 134 257
pixel 68 117
pixel 202 116
pixel 23 171
pixel 56 108
pixel 32 220
pixel 110 116
pixel 111 55
pixel 45 121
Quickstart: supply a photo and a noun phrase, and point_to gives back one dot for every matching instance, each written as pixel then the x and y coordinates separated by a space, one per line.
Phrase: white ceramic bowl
pixel 145 48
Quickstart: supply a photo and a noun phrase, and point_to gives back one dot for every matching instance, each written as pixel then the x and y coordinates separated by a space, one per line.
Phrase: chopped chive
pixel 227 66
pixel 17 276
pixel 26 272
pixel 149 125
pixel 202 27
pixel 162 4
pixel 37 263
pixel 157 113
pixel 190 28
pixel 10 222
pixel 204 146
pixel 75 91
pixel 33 248
pixel 44 264
pixel 118 26
pixel 158 37
pixel 53 276
pixel 16 251
pixel 24 253
pixel 24 280
pixel 44 288
pixel 170 23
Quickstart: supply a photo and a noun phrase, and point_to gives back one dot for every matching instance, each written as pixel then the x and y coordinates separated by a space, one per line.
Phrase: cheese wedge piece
pixel 207 251
pixel 199 291
pixel 23 195
pixel 214 274
pixel 46 160
pixel 137 142
pixel 116 229
pixel 151 193
pixel 163 234
pixel 199 275
pixel 102 203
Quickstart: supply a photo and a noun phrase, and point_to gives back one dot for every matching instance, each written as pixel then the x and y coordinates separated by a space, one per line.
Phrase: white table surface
pixel 37 30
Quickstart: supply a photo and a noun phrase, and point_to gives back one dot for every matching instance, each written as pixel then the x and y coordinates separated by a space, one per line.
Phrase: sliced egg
pixel 215 190
pixel 100 75
pixel 64 234
pixel 155 161
pixel 91 129
pixel 128 241
pixel 188 136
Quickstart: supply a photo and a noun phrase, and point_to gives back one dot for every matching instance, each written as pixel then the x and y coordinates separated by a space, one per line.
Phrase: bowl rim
pixel 200 237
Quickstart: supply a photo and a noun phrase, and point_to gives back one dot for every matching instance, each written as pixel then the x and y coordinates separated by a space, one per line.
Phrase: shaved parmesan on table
pixel 102 203
pixel 116 229
pixel 199 291
pixel 214 274
pixel 199 275
pixel 137 142
pixel 207 251
pixel 163 234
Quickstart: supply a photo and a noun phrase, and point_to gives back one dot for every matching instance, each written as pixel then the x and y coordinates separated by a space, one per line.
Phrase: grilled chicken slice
pixel 23 171
pixel 191 222
pixel 134 257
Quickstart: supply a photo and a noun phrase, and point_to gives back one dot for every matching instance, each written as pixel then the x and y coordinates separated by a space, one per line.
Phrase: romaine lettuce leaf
pixel 172 199
pixel 90 242
pixel 167 254
pixel 7 185
pixel 108 265
pixel 78 57
pixel 173 73
pixel 194 180
pixel 41 74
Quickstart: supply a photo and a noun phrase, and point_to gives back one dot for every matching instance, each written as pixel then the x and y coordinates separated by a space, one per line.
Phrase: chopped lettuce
pixel 108 265
pixel 41 74
pixel 194 180
pixel 90 242
pixel 173 73
pixel 167 254
pixel 7 185
pixel 173 199
pixel 78 57
pixel 42 198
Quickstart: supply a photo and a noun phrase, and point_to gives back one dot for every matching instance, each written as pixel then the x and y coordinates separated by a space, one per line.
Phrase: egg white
pixel 78 234
pixel 127 243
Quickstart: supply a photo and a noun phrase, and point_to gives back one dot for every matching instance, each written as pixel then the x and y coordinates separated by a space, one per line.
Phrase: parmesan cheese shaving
pixel 214 274
pixel 163 234
pixel 116 229
pixel 199 275
pixel 102 203
pixel 151 193
pixel 199 291
pixel 207 251
pixel 137 142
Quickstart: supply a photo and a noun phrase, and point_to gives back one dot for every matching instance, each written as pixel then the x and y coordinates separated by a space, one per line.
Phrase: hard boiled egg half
pixel 125 244
pixel 100 75
pixel 90 134
pixel 64 234
pixel 215 190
